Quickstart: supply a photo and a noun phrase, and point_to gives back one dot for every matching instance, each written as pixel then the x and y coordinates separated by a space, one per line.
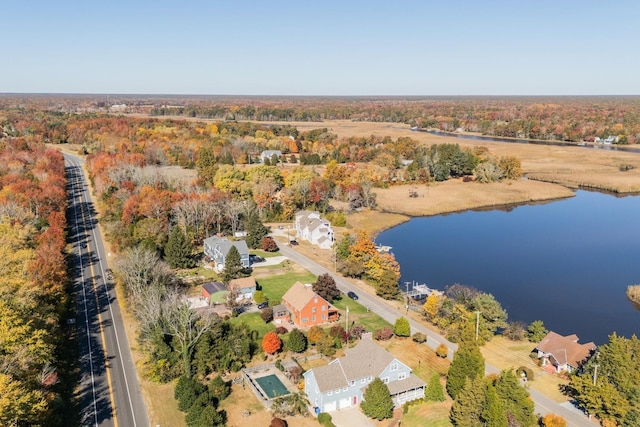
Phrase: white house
pixel 309 226
pixel 268 154
pixel 342 383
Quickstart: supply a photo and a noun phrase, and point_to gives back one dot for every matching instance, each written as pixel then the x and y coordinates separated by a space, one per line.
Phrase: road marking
pixel 102 337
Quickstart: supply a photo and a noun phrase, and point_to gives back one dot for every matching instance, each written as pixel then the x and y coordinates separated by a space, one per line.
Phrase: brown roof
pixel 565 349
pixel 244 282
pixel 299 295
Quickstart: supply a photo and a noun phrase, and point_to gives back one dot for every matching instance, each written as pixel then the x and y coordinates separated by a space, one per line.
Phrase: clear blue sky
pixel 322 47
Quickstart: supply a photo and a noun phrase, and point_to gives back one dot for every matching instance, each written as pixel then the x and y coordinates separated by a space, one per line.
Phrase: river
pixel 565 262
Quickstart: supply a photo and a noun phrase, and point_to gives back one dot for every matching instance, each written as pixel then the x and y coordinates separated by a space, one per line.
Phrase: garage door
pixel 344 403
pixel 329 407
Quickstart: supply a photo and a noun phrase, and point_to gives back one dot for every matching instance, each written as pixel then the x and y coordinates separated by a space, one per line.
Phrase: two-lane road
pixel 109 389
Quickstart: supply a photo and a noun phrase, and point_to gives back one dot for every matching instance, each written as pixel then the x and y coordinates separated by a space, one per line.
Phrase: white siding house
pixel 309 226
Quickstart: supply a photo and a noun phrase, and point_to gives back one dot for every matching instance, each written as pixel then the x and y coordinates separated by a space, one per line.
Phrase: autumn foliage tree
pixel 271 343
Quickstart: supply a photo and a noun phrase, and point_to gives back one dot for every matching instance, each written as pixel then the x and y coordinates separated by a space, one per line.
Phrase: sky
pixel 322 47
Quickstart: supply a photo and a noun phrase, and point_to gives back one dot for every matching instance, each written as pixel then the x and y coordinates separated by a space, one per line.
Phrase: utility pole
pixel 595 373
pixel 477 323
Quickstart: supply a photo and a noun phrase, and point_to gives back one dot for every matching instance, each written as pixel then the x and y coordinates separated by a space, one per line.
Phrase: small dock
pixel 413 289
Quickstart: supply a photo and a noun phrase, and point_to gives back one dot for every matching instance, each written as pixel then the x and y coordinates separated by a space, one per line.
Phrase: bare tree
pixel 185 324
pixel 233 209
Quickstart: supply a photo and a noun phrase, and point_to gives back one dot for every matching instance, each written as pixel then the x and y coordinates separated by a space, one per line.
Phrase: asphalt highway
pixel 109 388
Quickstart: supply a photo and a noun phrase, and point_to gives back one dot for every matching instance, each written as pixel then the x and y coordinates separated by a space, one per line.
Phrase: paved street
pixel 109 390
pixel 543 404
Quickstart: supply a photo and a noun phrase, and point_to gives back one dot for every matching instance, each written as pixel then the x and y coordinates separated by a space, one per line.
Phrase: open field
pixel 506 354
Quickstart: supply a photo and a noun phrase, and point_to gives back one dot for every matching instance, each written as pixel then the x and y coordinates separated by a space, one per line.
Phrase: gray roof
pixel 367 359
pixel 213 287
pixel 400 386
pixel 225 244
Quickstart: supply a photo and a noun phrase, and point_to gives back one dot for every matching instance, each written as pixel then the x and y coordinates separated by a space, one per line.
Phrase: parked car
pixel 352 295
pixel 109 274
pixel 293 242
pixel 264 304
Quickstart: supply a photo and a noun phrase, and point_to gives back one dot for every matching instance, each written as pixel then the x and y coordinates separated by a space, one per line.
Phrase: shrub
pixel 269 245
pixel 325 419
pixel 442 351
pixel 266 314
pixel 278 422
pixel 326 345
pixel 383 334
pixel 528 373
pixel 219 388
pixel 279 365
pixel 187 391
pixel 258 297
pixel 553 420
pixel 357 331
pixel 419 337
pixel 402 327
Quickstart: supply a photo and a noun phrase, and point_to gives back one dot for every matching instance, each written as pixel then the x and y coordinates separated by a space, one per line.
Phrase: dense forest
pixel 545 118
pixel 36 382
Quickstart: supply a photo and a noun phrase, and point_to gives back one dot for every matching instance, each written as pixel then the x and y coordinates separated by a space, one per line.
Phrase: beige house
pixel 564 353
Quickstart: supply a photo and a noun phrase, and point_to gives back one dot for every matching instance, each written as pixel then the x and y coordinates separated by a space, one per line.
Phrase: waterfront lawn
pixel 274 287
pixel 254 322
pixel 435 414
pixel 358 314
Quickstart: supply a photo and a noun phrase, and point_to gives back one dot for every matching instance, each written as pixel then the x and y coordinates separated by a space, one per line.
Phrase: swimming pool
pixel 272 386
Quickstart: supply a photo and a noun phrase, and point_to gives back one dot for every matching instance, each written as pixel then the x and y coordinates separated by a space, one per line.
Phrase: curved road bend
pixel 543 404
pixel 109 389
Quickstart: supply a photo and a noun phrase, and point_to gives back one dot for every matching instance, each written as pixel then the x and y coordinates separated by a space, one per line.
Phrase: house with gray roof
pixel 342 383
pixel 309 226
pixel 216 248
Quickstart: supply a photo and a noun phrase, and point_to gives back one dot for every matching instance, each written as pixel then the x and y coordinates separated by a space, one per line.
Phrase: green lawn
pixel 264 254
pixel 275 287
pixel 359 314
pixel 253 321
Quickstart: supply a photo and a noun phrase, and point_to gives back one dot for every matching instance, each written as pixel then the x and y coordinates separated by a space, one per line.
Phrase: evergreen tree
pixel 402 327
pixel 297 342
pixel 255 231
pixel 326 287
pixel 468 407
pixel 515 398
pixel 434 391
pixel 536 331
pixel 233 268
pixel 377 402
pixel 493 414
pixel 178 250
pixel 467 363
pixel 206 165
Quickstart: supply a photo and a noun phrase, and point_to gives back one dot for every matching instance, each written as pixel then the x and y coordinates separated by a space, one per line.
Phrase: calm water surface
pixel 567 262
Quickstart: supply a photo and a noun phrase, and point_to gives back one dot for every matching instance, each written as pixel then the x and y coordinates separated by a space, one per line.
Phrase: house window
pixel 313 318
pixel 305 319
pixel 352 383
pixel 402 376
pixel 330 392
pixel 385 380
pixel 370 379
pixel 345 388
pixel 363 381
pixel 323 317
pixel 313 309
pixel 394 367
pixel 315 300
pixel 324 307
pixel 337 391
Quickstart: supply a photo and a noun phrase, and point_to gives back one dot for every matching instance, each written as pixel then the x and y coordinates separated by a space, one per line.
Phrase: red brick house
pixel 305 308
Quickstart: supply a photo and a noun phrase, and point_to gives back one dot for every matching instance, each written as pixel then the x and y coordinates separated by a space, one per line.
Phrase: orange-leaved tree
pixel 271 343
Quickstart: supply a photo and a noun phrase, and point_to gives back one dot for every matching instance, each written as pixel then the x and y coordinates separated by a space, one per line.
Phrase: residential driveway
pixel 350 417
pixel 274 260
